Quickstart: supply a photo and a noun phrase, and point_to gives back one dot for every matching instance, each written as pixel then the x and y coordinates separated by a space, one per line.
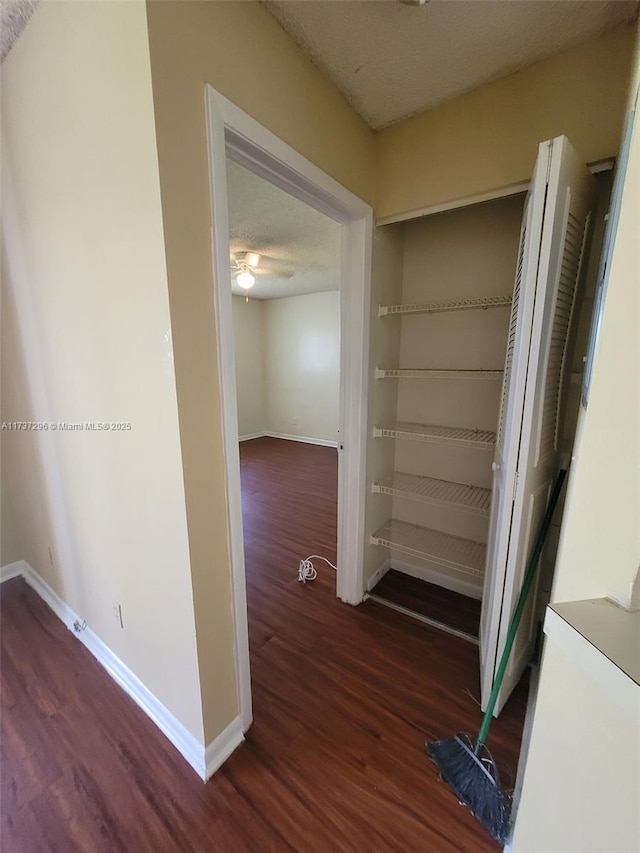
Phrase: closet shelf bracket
pixel 404 373
pixel 434 434
pixel 482 302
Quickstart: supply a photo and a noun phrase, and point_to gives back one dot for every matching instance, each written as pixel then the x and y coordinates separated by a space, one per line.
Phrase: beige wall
pixel 87 337
pixel 191 44
pixel 287 355
pixel 489 138
pixel 24 510
pixel 601 557
pixel 302 368
pixel 250 353
pixel 84 164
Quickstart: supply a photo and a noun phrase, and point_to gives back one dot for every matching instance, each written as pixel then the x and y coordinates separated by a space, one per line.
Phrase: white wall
pixel 99 515
pixel 582 783
pixel 302 367
pixel 250 354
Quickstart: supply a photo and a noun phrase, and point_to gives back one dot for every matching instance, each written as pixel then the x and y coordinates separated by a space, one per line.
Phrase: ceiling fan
pixel 247 265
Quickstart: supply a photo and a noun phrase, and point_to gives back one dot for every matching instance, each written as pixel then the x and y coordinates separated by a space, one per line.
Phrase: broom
pixel 469 767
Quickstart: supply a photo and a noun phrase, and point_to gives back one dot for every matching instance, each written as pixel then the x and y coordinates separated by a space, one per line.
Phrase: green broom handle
pixel 522 600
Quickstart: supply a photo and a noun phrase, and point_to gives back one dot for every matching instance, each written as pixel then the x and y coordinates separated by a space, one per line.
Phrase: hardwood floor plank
pixel 344 699
pixel 428 599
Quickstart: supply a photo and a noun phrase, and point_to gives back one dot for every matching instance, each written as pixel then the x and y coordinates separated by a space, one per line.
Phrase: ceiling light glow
pixel 245 279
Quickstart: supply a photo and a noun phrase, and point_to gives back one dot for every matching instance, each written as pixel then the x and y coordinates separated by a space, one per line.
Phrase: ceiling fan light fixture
pixel 245 280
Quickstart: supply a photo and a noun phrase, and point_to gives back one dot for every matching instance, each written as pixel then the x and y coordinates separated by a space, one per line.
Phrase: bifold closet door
pixel 552 240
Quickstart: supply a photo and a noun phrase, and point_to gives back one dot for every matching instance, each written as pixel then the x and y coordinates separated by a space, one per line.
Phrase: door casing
pixel 233 133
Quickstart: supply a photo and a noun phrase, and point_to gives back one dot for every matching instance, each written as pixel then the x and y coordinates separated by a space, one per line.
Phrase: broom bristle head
pixel 470 771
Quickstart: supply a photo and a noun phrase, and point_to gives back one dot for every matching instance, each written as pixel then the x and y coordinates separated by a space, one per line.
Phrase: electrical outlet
pixel 117 613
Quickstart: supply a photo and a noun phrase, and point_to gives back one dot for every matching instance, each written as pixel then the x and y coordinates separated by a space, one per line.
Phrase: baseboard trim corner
pixel 250 436
pixel 191 749
pixel 13 570
pixel 222 746
pixel 51 599
pixel 377 576
pixel 305 439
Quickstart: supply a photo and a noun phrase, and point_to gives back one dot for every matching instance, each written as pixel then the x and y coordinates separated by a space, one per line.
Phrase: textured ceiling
pixel 14 14
pixel 392 60
pixel 267 220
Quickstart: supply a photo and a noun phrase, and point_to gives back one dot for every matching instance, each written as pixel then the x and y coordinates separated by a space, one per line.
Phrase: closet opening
pixel 441 329
pixel 446 318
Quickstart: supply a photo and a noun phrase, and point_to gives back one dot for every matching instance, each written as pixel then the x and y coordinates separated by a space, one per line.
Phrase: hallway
pixel 344 699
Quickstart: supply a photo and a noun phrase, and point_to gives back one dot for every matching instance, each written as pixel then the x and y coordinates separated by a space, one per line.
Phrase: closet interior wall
pixel 469 253
pixel 464 254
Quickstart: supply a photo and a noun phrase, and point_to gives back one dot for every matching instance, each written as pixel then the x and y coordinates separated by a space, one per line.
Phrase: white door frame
pixel 234 134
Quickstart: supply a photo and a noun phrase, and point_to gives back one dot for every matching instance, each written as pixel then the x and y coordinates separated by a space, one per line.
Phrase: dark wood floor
pixel 443 605
pixel 344 699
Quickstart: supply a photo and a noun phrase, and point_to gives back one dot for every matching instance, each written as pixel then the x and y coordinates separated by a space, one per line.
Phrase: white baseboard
pixel 250 436
pixel 439 578
pixel 221 747
pixel 527 731
pixel 52 599
pixel 205 761
pixel 305 439
pixel 13 570
pixel 377 576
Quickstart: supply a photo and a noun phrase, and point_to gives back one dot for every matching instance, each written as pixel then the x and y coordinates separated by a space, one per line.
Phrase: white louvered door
pixel 526 460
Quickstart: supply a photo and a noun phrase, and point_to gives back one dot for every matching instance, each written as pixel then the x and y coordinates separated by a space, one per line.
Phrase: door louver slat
pixel 565 299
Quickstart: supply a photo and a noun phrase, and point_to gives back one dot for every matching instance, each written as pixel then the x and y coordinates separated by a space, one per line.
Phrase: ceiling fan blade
pixel 261 265
pixel 250 259
pixel 274 272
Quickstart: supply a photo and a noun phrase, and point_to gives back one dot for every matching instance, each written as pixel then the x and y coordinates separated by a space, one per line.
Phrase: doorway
pixel 285 285
pixel 236 136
